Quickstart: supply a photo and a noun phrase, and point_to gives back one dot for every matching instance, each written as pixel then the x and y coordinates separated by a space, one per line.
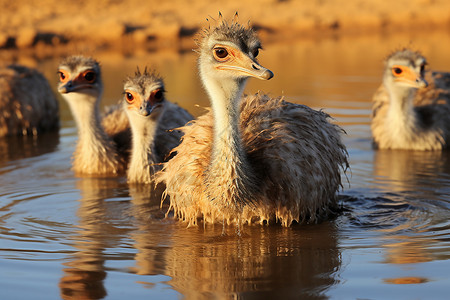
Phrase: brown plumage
pixel 103 142
pixel 407 112
pixel 256 159
pixel 27 103
pixel 153 119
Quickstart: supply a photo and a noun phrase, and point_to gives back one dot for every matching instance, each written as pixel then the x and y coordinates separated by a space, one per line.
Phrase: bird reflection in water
pixel 18 147
pixel 215 262
pixel 401 170
pixel 265 261
pixel 417 210
pixel 84 272
pixel 407 250
pixel 153 234
pixel 200 262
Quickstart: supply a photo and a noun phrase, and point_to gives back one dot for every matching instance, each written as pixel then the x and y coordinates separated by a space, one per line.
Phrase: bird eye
pixel 256 52
pixel 422 69
pixel 158 95
pixel 63 76
pixel 89 76
pixel 397 71
pixel 220 53
pixel 130 97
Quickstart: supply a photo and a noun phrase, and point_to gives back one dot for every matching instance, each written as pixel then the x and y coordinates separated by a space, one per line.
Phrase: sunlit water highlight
pixel 90 238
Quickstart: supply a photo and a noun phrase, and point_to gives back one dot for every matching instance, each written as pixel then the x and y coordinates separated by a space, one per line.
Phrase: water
pixel 67 237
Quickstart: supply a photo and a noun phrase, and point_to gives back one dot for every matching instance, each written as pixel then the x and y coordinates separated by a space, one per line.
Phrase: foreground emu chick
pixel 256 159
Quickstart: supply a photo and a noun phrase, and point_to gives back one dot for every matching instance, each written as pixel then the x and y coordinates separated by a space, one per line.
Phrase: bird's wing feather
pixel 117 127
pixel 295 150
pixel 183 175
pixel 437 91
pixel 168 134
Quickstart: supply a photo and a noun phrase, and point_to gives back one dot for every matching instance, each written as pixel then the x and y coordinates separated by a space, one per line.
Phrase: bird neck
pixel 143 157
pixel 229 167
pixel 401 114
pixel 93 143
pixel 85 109
pixel 225 99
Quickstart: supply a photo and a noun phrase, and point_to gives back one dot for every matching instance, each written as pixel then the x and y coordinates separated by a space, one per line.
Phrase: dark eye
pixel 129 96
pixel 63 76
pixel 159 95
pixel 89 76
pixel 255 53
pixel 397 71
pixel 221 52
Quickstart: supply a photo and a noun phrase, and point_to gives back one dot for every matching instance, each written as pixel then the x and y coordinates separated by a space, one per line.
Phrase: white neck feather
pixel 401 116
pixel 86 114
pixel 95 151
pixel 225 96
pixel 143 157
pixel 229 167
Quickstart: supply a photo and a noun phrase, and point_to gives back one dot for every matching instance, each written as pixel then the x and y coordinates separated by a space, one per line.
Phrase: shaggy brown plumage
pixel 294 152
pixel 27 103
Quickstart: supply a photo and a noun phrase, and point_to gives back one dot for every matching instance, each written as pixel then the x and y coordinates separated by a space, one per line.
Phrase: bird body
pixel 153 120
pixel 27 103
pixel 96 152
pixel 296 187
pixel 404 117
pixel 257 159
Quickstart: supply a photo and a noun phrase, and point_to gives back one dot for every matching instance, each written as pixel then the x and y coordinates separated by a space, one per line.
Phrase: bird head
pixel 79 74
pixel 405 69
pixel 229 50
pixel 144 94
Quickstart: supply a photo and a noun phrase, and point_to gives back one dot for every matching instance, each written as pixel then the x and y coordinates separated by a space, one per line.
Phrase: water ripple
pixel 411 229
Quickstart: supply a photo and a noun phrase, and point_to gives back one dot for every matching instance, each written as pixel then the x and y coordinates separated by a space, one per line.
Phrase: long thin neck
pixel 225 99
pixel 143 158
pixel 229 165
pixel 95 151
pixel 401 114
pixel 86 114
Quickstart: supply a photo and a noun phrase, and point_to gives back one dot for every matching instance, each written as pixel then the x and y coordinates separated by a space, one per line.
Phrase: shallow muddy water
pixel 68 237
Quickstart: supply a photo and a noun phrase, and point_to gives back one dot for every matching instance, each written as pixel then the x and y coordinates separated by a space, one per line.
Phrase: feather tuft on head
pixel 229 30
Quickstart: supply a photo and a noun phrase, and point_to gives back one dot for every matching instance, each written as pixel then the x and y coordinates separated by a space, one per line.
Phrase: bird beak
pixel 414 82
pixel 72 86
pixel 247 67
pixel 411 78
pixel 146 109
pixel 66 88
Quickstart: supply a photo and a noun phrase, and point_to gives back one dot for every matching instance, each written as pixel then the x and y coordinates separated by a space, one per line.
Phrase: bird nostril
pixel 255 67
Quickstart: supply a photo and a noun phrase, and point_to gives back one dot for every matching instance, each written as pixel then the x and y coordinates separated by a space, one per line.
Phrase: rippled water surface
pixel 67 237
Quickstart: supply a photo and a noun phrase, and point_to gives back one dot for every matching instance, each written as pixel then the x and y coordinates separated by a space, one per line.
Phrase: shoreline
pixel 58 29
pixel 45 49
